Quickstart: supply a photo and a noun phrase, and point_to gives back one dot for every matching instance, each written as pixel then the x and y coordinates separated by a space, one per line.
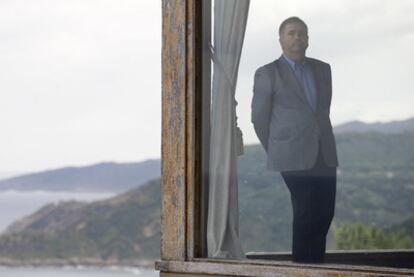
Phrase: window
pixel 183 170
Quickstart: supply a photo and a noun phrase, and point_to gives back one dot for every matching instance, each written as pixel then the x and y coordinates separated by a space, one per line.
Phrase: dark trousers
pixel 313 200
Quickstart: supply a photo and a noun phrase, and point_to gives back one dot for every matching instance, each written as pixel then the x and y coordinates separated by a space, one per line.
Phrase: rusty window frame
pixel 183 168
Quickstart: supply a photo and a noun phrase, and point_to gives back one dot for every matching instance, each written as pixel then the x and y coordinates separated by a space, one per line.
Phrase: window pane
pixel 369 49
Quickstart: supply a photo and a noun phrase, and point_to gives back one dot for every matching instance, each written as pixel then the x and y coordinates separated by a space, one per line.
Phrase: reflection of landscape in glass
pixel 363 42
pixel 375 186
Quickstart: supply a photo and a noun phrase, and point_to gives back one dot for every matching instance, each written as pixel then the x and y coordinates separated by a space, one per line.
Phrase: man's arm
pixel 262 105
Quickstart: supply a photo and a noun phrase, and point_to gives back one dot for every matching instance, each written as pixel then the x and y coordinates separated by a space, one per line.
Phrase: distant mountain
pixel 121 177
pixel 123 227
pixel 391 127
pixel 113 177
pixel 8 174
pixel 375 186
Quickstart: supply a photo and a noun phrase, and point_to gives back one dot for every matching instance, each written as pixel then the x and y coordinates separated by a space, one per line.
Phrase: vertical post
pixel 191 127
pixel 201 127
pixel 173 145
pixel 205 121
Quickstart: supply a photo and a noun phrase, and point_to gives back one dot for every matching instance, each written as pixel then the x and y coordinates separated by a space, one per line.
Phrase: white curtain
pixel 230 18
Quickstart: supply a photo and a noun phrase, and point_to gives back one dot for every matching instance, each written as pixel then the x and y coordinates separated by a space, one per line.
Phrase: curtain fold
pixel 230 19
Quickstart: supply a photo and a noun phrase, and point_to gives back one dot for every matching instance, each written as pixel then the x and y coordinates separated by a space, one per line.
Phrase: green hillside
pixel 375 187
pixel 123 227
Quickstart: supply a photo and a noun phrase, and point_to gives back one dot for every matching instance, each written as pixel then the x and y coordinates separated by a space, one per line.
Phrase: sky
pixel 80 80
pixel 369 45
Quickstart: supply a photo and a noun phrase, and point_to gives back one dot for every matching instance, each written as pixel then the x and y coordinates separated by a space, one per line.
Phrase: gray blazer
pixel 286 125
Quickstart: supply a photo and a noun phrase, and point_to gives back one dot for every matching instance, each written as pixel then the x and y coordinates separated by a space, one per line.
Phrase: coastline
pixel 78 262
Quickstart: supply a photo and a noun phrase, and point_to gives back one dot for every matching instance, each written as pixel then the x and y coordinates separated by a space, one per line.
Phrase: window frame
pixel 184 166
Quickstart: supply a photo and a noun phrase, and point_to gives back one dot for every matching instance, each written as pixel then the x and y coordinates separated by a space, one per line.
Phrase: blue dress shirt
pixel 304 76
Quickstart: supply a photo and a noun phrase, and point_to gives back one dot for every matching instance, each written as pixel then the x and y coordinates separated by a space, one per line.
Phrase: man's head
pixel 293 37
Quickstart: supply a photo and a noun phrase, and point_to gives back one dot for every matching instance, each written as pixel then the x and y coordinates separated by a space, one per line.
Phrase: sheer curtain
pixel 230 18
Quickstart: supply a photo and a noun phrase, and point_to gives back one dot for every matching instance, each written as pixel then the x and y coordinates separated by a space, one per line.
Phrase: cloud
pixel 368 44
pixel 80 79
pixel 74 71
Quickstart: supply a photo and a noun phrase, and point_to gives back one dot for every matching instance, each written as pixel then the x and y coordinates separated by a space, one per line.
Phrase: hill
pixel 120 177
pixel 375 186
pixel 392 127
pixel 123 227
pixel 107 177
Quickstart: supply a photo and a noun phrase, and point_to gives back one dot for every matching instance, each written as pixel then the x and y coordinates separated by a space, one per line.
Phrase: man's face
pixel 294 39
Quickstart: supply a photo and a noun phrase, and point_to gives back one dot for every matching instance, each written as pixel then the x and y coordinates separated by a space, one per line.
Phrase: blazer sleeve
pixel 262 105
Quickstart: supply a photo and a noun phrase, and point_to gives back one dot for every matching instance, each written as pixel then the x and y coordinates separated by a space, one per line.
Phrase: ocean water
pixel 76 272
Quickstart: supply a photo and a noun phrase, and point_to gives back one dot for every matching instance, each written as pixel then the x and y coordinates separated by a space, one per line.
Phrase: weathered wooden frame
pixel 181 74
pixel 182 210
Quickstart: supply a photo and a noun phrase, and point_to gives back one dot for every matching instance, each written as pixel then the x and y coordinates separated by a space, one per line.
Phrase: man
pixel 290 113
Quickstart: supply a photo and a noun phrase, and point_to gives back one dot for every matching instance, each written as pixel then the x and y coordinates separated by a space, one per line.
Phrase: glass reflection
pixel 369 49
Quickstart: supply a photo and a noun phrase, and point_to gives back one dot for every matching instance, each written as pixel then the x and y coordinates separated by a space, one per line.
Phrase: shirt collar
pixel 292 63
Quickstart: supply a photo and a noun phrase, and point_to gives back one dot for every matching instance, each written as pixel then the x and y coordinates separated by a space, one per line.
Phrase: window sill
pixel 267 267
pixel 396 258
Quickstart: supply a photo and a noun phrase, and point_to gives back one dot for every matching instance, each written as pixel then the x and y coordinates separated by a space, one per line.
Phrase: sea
pixel 76 272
